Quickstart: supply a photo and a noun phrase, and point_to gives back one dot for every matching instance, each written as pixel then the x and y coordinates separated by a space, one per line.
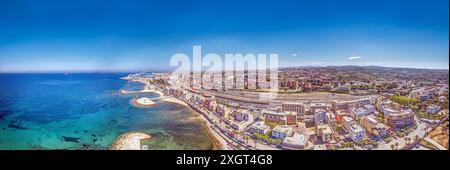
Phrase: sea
pixel 81 111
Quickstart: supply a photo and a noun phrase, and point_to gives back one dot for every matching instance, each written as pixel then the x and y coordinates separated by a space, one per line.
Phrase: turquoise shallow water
pixel 86 111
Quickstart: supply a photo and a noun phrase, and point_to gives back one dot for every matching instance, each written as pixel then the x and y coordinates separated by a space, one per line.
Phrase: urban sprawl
pixel 334 107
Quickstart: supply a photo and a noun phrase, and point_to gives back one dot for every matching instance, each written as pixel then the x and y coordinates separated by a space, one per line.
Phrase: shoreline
pixel 129 141
pixel 175 100
pixel 134 103
pixel 216 145
pixel 215 142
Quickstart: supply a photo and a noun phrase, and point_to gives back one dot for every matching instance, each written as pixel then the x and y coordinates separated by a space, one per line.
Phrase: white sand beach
pixel 129 141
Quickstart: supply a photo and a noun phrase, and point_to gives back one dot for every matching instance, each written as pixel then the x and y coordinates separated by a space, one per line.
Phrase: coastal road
pixel 231 143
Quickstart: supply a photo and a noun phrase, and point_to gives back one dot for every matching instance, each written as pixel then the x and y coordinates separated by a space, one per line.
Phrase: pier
pixel 161 94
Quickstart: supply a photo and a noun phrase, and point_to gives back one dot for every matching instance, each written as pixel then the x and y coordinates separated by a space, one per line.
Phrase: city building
pixel 331 118
pixel 281 131
pixel 387 111
pixel 356 132
pixel 357 113
pixel 339 105
pixel 323 133
pixel 424 97
pixel 239 125
pixel 222 111
pixel 340 115
pixel 309 121
pixel 277 117
pixel 320 116
pixel 314 106
pixel 369 108
pixel 373 127
pixel 210 104
pixel 291 118
pixel 432 109
pixel 442 98
pixel 299 108
pixel 347 122
pixel 399 120
pixel 240 115
pixel 297 141
pixel 260 128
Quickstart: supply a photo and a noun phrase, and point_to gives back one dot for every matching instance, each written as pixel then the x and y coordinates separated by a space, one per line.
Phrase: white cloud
pixel 354 57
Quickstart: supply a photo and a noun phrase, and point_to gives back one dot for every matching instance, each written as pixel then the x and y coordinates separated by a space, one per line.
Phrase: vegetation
pixel 420 108
pixel 271 124
pixel 379 117
pixel 428 144
pixel 347 145
pixel 387 140
pixel 266 138
pixel 404 101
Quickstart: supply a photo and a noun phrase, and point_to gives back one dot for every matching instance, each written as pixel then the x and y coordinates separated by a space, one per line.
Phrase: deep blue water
pixel 86 111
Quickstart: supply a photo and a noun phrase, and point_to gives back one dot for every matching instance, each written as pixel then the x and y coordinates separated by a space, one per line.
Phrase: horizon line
pixel 168 70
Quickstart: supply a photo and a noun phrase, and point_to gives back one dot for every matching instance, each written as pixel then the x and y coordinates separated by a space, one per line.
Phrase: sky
pixel 131 35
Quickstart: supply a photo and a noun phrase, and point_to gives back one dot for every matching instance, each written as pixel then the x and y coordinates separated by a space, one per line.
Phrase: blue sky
pixel 143 35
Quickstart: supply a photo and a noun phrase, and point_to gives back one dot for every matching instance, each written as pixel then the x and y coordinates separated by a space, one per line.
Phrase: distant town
pixel 319 108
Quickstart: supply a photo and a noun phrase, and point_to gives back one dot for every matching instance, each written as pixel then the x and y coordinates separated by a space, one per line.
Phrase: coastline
pixel 129 141
pixel 134 103
pixel 175 100
pixel 216 143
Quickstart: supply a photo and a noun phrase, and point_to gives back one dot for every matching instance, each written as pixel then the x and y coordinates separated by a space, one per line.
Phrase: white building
pixel 320 116
pixel 259 127
pixel 356 132
pixel 239 125
pixel 281 131
pixel 357 113
pixel 297 141
pixel 241 115
pixel 347 122
pixel 442 99
pixel 432 109
pixel 369 108
pixel 324 132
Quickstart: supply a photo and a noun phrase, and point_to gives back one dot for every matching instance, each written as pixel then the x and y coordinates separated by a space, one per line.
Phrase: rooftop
pixel 296 139
pixel 356 128
pixel 273 112
pixel 325 128
pixel 282 128
pixel 260 125
pixel 293 103
pixel 371 119
pixel 359 111
pixel 347 119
